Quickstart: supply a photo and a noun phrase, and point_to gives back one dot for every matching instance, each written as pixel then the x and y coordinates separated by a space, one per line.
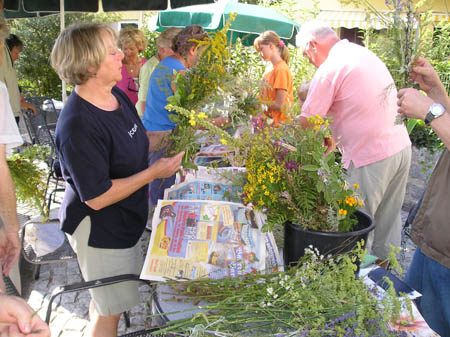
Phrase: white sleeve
pixel 9 132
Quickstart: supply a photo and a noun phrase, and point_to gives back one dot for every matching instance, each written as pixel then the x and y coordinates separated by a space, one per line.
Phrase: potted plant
pixel 296 184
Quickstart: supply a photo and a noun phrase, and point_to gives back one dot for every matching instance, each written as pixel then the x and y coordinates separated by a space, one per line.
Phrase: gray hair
pixel 165 39
pixel 77 49
pixel 313 30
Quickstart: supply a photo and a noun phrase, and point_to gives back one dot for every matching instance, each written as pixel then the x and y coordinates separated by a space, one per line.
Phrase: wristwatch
pixel 436 110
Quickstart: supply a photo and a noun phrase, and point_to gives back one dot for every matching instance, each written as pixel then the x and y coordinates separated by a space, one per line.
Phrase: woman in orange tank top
pixel 277 91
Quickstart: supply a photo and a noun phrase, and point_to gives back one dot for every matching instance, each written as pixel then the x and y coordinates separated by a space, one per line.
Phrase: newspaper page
pixel 410 324
pixel 204 190
pixel 213 155
pixel 193 189
pixel 194 239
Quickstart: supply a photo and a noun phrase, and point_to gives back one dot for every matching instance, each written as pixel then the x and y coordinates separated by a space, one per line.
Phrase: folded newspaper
pixel 194 239
pixel 204 190
pixel 213 155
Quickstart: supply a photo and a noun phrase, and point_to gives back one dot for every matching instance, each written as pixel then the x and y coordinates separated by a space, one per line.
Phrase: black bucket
pixel 296 239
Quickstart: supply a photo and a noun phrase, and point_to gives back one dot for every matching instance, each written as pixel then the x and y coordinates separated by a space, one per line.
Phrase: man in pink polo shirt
pixel 354 88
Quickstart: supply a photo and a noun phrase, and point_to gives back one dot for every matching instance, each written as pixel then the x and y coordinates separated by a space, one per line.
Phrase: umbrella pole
pixel 62 26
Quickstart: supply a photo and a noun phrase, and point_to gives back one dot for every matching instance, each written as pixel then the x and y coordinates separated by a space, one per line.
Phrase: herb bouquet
pixel 29 176
pixel 214 88
pixel 319 297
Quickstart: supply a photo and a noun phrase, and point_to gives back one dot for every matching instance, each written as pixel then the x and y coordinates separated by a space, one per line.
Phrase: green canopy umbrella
pixel 250 21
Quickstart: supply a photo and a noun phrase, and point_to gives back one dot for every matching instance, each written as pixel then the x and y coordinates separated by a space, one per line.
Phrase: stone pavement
pixel 70 314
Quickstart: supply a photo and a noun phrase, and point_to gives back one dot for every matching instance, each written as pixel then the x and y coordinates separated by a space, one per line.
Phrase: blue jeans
pixel 157 186
pixel 432 279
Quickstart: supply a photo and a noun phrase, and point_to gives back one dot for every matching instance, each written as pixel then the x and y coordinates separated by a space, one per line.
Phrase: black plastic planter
pixel 296 239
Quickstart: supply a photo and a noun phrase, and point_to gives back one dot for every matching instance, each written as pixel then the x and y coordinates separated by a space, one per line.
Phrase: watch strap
pixel 429 117
pixel 436 110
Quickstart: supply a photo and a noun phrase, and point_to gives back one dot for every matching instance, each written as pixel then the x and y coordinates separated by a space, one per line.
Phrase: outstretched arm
pixel 9 239
pixel 122 188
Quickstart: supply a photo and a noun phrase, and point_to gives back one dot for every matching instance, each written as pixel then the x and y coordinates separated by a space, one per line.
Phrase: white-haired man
pixel 354 88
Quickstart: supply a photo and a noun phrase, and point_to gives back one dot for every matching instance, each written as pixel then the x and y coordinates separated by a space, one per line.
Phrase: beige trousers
pixel 382 188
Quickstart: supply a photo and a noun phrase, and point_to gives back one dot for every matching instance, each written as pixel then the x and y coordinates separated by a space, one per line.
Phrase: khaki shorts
pixel 96 263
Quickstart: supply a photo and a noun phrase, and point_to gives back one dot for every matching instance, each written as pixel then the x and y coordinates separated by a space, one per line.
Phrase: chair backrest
pixel 38 129
pixel 45 106
pixel 41 134
pixel 33 123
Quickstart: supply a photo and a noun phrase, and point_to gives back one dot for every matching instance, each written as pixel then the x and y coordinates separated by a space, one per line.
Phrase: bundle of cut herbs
pixel 318 297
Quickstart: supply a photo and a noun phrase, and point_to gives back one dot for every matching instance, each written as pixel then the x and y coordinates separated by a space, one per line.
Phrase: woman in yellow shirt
pixel 277 92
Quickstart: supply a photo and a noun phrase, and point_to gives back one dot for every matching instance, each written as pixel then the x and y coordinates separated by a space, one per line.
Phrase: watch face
pixel 437 110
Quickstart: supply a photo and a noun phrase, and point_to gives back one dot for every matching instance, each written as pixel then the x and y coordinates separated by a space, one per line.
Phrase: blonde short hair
pixel 78 49
pixel 134 36
pixel 165 39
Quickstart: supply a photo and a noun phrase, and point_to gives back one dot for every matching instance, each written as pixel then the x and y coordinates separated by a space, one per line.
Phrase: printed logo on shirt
pixel 133 130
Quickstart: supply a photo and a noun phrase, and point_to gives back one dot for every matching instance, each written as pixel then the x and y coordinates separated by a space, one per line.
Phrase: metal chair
pixel 10 288
pixel 45 106
pixel 406 230
pixel 81 286
pixel 64 253
pixel 40 133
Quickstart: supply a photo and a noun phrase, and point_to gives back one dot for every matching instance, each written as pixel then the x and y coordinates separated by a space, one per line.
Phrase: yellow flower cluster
pixel 193 117
pixel 318 121
pixel 342 212
pixel 351 201
pixel 262 177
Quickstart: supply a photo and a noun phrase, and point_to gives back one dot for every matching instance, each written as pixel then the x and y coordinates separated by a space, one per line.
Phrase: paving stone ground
pixel 70 314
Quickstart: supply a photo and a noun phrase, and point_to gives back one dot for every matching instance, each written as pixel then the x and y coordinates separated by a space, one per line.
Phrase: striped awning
pixel 349 19
pixel 361 19
pixel 438 17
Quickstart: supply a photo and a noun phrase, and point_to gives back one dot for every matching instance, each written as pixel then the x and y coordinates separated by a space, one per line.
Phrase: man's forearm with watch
pixel 438 114
pixel 414 104
pixel 440 123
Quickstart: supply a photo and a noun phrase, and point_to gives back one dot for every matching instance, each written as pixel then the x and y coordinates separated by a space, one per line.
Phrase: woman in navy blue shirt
pixel 103 152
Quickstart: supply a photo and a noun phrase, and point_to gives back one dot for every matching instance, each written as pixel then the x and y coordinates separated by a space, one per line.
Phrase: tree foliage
pixel 36 76
pixel 151 37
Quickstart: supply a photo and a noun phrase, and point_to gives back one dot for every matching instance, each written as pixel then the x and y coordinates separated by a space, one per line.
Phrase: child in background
pixel 302 92
pixel 278 91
